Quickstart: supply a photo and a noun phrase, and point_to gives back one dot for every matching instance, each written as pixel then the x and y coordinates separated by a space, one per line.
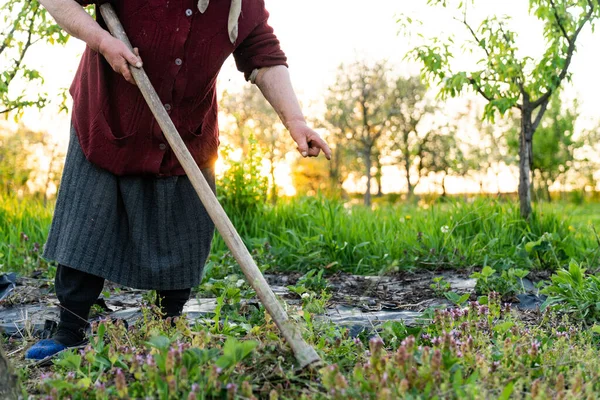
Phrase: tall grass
pixel 306 233
pixel 24 225
pixel 311 233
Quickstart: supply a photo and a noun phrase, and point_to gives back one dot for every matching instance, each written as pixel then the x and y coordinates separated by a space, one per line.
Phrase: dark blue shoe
pixel 44 349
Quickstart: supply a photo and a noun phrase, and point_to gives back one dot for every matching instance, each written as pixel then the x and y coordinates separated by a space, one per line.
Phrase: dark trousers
pixel 77 292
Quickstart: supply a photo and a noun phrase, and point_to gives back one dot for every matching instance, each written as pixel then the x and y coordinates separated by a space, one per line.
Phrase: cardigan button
pixel 168 107
pixel 188 12
pixel 162 146
pixel 178 61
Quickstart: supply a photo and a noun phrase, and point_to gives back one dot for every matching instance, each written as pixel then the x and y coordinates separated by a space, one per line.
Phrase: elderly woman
pixel 125 211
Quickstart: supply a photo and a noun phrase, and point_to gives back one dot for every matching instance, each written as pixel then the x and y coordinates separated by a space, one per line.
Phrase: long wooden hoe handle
pixel 305 354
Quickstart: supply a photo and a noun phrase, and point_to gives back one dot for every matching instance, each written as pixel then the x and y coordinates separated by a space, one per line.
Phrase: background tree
pixel 24 23
pixel 503 78
pixel 16 149
pixel 486 145
pixel 29 158
pixel 358 110
pixel 311 176
pixel 254 116
pixel 407 138
pixel 554 146
pixel 442 155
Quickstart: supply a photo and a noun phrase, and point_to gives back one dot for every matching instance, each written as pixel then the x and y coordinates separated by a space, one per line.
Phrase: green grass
pixel 308 233
pixel 311 232
pixel 24 225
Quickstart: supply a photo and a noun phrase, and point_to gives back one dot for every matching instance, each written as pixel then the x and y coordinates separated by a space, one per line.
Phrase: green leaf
pixel 504 327
pixel 595 329
pixel 529 247
pixel 488 271
pixel 507 392
pixel 159 342
pixel 235 351
pixel 84 382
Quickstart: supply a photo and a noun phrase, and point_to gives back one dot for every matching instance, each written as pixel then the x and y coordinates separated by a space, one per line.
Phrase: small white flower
pixel 240 283
pixel 305 295
pixel 445 229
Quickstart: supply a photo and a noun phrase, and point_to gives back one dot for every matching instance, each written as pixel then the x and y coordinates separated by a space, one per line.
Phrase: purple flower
pixel 150 360
pixel 46 375
pixel 120 383
pixel 483 310
pixel 495 366
pixel 231 388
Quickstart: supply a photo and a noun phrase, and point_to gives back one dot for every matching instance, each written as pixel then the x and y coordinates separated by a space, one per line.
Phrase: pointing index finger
pixel 323 146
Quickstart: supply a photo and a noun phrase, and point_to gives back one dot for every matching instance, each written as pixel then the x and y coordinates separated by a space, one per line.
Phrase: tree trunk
pixel 497 175
pixel 409 185
pixel 8 380
pixel 444 185
pixel 378 176
pixel 525 150
pixel 335 185
pixel 547 191
pixel 273 184
pixel 368 174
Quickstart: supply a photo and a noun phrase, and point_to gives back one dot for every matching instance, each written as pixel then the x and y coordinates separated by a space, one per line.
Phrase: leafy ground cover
pixel 481 350
pixel 478 348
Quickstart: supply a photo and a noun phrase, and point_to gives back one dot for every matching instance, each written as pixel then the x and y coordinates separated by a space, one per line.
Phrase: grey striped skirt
pixel 141 232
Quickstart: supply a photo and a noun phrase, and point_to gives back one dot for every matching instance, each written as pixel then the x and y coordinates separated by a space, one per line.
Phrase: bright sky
pixel 318 35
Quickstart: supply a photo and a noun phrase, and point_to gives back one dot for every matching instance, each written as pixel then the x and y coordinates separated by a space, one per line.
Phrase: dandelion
pixel 408 217
pixel 305 295
pixel 445 229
